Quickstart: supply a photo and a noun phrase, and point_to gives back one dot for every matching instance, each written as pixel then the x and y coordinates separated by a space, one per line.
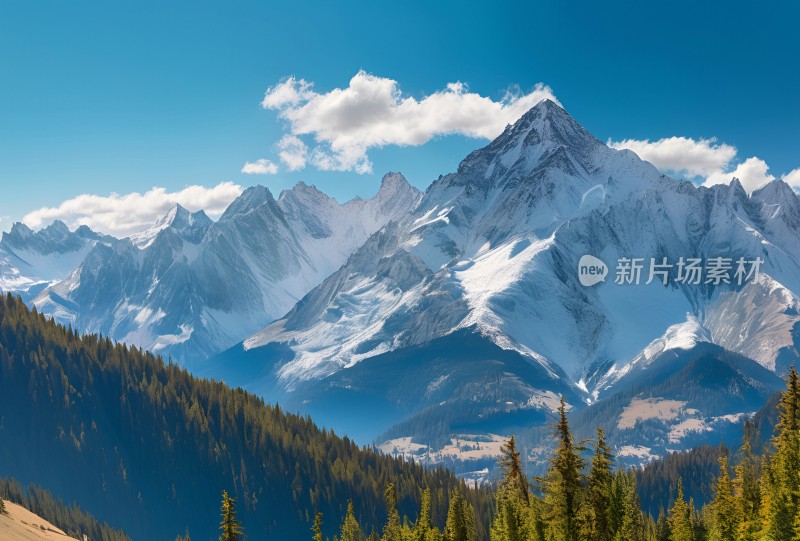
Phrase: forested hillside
pixel 73 520
pixel 696 468
pixel 148 448
pixel 582 497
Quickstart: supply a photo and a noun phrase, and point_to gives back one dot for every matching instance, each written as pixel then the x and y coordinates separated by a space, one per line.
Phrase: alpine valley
pixel 435 325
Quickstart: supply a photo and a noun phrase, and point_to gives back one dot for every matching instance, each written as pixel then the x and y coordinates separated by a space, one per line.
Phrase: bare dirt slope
pixel 19 524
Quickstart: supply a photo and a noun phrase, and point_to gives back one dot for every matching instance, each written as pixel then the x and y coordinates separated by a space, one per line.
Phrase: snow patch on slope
pixel 645 409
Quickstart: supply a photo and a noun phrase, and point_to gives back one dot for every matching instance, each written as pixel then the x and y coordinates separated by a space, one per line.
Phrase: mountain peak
pixel 553 123
pixel 18 231
pixel 737 189
pixel 180 217
pixel 190 225
pixel 395 193
pixel 776 191
pixel 56 237
pixel 778 198
pixel 301 188
pixel 251 198
pixel 549 105
pixel 57 226
pixel 176 212
pixel 393 178
pixel 542 132
pixel 392 183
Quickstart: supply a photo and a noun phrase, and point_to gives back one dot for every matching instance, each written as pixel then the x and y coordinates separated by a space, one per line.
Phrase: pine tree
pixel 700 521
pixel 598 527
pixel 767 487
pixel 562 485
pixel 392 531
pixel 680 518
pixel 514 477
pixel 662 527
pixel 649 528
pixel 230 526
pixel 746 488
pixel 317 528
pixel 784 487
pixel 350 530
pixel 725 514
pixel 423 529
pixel 632 521
pixel 406 531
pixel 617 502
pixel 512 517
pixel 537 529
pixel 2 507
pixel 460 524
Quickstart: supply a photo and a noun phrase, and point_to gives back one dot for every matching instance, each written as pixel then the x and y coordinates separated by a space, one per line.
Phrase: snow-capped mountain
pixel 190 226
pixel 492 252
pixel 30 261
pixel 189 287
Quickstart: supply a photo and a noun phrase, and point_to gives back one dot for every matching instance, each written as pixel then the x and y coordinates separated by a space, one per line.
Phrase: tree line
pixel 588 500
pixel 756 499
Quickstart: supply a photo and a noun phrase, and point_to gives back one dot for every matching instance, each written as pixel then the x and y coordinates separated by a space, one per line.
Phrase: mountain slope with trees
pixel 145 446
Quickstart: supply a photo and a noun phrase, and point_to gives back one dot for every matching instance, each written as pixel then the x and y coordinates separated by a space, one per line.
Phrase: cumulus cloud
pixel 752 173
pixel 793 179
pixel 711 162
pixel 293 152
pixel 682 155
pixel 372 112
pixel 126 214
pixel 260 167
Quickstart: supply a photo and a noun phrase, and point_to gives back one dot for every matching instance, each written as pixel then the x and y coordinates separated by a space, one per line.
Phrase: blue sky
pixel 101 97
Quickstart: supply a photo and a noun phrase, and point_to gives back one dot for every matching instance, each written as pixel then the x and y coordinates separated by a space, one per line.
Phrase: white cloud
pixel 792 178
pixel 752 173
pixel 682 155
pixel 288 93
pixel 260 167
pixel 293 152
pixel 123 215
pixel 373 112
pixel 713 162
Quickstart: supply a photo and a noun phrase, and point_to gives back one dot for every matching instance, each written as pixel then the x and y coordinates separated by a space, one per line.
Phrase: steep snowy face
pixel 190 226
pixel 541 172
pixel 29 261
pixel 330 231
pixel 495 247
pixel 189 287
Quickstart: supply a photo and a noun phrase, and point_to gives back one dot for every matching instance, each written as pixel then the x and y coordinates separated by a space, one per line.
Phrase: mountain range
pixel 31 261
pixel 190 287
pixel 467 317
pixel 437 323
